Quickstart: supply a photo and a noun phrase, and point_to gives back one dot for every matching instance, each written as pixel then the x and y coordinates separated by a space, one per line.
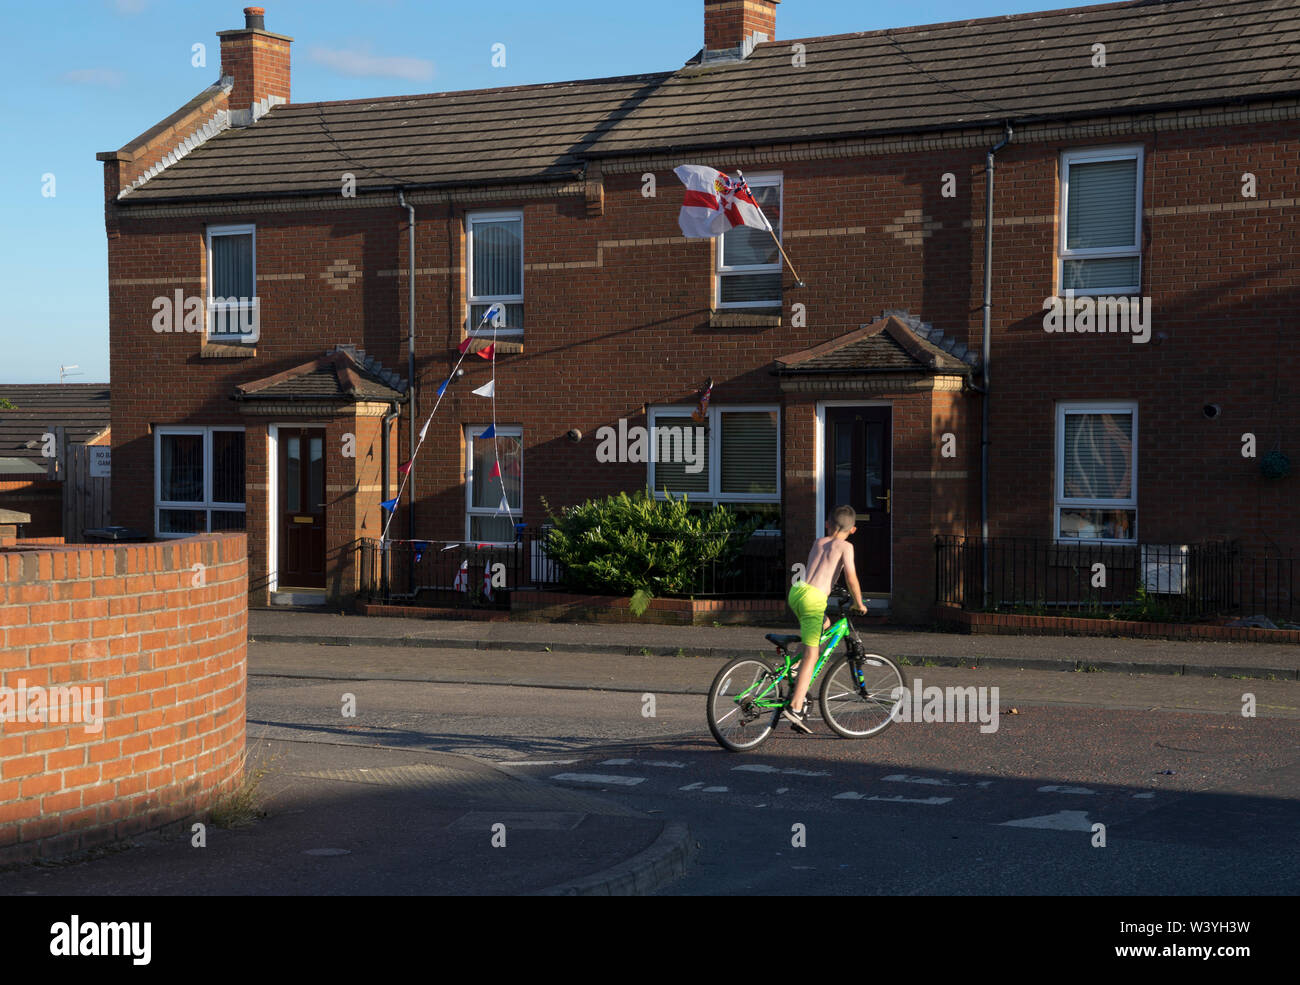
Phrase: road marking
pixel 714 790
pixel 625 781
pixel 691 786
pixel 761 768
pixel 1143 796
pixel 664 763
pixel 1060 821
pixel 926 780
pixel 932 801
pixel 616 762
pixel 782 789
pixel 1057 789
pixel 537 762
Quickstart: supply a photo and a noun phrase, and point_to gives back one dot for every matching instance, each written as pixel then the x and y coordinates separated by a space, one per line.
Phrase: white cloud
pixel 93 77
pixel 362 64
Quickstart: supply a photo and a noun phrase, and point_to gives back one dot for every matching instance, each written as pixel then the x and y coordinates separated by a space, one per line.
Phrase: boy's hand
pixel 860 609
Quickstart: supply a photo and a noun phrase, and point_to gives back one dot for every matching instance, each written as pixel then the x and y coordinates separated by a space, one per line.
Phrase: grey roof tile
pixel 1159 53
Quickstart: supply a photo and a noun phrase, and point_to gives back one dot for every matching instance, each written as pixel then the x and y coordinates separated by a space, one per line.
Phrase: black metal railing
pixel 1152 582
pixel 464 574
pixel 461 574
pixel 753 567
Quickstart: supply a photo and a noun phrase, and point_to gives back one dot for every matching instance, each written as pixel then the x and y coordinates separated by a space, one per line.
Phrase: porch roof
pixel 344 374
pixel 887 345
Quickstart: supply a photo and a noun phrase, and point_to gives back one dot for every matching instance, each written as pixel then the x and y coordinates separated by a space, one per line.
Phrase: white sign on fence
pixel 101 458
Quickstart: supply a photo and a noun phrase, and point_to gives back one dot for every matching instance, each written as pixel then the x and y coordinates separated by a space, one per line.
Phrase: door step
pixel 299 596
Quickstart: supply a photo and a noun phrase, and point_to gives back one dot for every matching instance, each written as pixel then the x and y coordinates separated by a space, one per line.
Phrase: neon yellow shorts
pixel 809 607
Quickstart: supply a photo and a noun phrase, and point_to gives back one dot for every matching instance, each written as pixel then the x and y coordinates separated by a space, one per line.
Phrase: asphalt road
pixel 1194 797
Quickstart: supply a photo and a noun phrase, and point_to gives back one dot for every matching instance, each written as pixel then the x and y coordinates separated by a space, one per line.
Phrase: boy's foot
pixel 797 720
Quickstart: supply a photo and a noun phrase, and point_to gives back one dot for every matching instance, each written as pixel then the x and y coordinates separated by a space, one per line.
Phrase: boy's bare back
pixel 828 556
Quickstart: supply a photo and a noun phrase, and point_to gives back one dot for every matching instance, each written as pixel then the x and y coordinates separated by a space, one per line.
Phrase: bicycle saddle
pixel 784 639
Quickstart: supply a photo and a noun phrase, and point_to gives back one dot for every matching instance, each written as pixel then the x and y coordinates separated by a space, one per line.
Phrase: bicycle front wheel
pixel 858 702
pixel 740 700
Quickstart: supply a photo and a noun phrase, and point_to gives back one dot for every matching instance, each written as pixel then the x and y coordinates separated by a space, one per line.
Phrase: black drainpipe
pixel 984 354
pixel 410 356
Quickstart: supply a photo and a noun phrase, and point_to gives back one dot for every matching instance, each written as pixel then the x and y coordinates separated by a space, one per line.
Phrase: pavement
pixel 1277 661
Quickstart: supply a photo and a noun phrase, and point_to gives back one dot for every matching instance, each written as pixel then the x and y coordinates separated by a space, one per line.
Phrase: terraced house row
pixel 1049 284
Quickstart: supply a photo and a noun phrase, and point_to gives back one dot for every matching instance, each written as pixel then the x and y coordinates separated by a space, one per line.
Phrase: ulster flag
pixel 715 203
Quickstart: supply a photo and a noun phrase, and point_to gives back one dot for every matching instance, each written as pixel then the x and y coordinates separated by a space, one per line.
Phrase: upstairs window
pixel 495 247
pixel 233 314
pixel 1101 221
pixel 749 263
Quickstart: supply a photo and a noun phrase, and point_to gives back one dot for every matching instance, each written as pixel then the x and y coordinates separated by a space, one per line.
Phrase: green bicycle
pixel 858 695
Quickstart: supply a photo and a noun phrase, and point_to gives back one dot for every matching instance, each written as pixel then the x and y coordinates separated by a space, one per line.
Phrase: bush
pixel 641 546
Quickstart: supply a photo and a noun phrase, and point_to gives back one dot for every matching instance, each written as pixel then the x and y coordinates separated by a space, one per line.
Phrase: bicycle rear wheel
pixel 736 719
pixel 856 704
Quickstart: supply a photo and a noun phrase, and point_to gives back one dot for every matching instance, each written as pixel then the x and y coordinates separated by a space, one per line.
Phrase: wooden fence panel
pixel 86 502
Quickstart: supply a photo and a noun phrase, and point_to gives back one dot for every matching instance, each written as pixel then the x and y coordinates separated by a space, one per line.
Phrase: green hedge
pixel 630 545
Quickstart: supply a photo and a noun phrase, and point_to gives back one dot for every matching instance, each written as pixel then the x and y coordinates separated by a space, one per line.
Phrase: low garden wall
pixel 122 688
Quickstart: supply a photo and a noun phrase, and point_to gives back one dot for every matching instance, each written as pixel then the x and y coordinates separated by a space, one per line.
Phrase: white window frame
pixel 764 179
pixel 470 219
pixel 715 493
pixel 254 304
pixel 471 432
pixel 208 505
pixel 1068 502
pixel 1092 156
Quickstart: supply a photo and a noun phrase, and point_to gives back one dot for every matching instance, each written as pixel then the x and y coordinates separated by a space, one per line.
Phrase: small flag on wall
pixel 488 389
pixel 491 432
pixel 487 580
pixel 496 471
pixel 487 353
pixel 461 584
pixel 442 387
pixel 389 504
pixel 701 413
pixel 404 467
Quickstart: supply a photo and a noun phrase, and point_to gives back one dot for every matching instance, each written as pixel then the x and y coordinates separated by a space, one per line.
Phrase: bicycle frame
pixel 829 642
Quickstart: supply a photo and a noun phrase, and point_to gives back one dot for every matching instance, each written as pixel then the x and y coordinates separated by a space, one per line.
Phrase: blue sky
pixel 83 77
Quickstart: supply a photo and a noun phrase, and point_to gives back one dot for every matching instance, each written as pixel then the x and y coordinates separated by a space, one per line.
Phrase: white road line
pixel 761 768
pixel 1059 789
pixel 616 762
pixel 624 781
pixel 1060 821
pixel 932 801
pixel 666 764
pixel 714 790
pixel 1143 796
pixel 537 762
pixel 691 786
pixel 662 763
pixel 929 781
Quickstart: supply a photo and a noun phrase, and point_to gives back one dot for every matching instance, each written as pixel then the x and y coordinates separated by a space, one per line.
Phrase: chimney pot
pixel 255 18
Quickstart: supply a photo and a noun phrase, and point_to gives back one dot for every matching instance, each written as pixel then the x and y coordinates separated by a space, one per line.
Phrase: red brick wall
pixel 170 656
pixel 629 327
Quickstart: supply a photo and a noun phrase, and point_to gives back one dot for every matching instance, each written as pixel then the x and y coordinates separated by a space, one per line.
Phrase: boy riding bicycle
pixel 829 555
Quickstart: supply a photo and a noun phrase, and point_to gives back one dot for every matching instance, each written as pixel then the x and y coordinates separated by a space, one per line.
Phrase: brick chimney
pixel 730 25
pixel 257 60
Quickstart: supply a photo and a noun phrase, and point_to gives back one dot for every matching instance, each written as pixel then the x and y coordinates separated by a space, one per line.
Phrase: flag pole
pixel 772 232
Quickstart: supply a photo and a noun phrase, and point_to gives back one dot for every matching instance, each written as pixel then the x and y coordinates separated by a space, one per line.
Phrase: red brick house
pixel 1139 150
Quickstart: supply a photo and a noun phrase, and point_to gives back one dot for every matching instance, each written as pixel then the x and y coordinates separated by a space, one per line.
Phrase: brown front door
pixel 302 508
pixel 857 457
